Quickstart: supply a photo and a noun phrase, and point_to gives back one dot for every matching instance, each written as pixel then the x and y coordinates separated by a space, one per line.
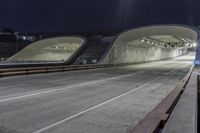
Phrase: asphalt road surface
pixel 111 100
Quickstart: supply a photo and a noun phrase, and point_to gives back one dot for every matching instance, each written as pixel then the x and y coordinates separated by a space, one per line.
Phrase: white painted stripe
pixel 46 91
pixel 99 105
pixel 92 108
pixel 35 93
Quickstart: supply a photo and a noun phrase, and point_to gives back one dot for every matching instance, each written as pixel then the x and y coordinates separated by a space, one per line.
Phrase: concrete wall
pixel 130 54
pixel 128 49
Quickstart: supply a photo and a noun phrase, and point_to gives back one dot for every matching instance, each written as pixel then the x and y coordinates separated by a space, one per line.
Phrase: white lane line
pixel 16 97
pixel 33 93
pixel 99 105
pixel 91 108
pixel 45 91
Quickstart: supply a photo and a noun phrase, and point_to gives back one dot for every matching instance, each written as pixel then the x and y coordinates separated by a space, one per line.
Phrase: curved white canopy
pixel 59 49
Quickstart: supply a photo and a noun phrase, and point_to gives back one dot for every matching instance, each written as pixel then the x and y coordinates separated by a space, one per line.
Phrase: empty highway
pixel 110 100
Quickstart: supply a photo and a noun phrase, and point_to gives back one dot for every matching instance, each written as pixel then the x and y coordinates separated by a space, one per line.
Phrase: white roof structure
pixel 59 49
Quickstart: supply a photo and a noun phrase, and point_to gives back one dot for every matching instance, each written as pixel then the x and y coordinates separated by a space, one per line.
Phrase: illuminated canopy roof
pixel 59 49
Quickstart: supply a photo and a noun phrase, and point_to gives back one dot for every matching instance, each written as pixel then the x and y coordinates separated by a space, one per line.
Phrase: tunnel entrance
pixel 150 44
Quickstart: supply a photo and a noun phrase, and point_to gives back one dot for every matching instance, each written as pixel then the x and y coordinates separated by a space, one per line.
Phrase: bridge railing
pixel 154 122
pixel 5 72
pixel 48 69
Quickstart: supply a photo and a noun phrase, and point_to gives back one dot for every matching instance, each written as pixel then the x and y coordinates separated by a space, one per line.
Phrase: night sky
pixel 95 15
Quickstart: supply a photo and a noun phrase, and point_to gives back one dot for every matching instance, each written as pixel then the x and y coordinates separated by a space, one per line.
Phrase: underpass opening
pixel 150 44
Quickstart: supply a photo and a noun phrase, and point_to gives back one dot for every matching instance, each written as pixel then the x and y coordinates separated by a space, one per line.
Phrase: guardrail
pixel 156 119
pixel 5 72
pixel 48 69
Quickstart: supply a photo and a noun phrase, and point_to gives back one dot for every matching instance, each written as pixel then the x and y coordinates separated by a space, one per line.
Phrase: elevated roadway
pixel 110 100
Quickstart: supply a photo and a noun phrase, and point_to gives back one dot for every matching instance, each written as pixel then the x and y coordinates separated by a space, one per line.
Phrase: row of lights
pixel 169 44
pixel 190 45
pixel 151 42
pixel 65 48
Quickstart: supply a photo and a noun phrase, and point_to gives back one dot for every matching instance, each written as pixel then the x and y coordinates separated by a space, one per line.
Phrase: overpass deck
pixel 102 100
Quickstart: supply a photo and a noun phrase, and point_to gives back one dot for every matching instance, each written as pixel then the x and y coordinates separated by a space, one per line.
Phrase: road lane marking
pixel 35 93
pixel 101 104
pixel 46 91
pixel 92 108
